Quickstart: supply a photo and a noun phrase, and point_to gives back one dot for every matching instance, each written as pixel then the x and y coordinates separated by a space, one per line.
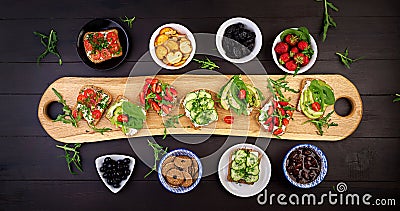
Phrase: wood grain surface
pixel 243 125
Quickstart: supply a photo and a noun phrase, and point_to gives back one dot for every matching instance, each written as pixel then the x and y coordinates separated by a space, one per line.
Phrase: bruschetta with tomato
pixel 102 46
pixel 91 104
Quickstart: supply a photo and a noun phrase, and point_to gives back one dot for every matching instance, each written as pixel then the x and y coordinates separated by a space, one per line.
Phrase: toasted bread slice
pixel 213 97
pixel 283 127
pixel 229 178
pixel 101 59
pixel 107 103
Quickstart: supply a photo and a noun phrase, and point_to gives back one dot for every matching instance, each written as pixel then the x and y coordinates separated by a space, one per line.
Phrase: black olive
pixel 116 185
pixel 107 159
pixel 106 175
pixel 127 161
pixel 102 169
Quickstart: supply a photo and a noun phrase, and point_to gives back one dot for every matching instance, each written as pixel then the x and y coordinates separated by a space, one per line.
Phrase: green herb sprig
pixel 397 98
pixel 171 122
pixel 206 64
pixel 50 43
pixel 72 156
pixel 278 85
pixel 129 21
pixel 67 117
pixel 158 150
pixel 328 20
pixel 345 59
pixel 322 122
pixel 100 130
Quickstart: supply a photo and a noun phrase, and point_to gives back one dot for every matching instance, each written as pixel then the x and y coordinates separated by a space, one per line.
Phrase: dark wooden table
pixel 32 176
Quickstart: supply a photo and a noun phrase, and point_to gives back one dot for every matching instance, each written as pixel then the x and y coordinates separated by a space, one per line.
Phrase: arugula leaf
pixel 158 151
pixel 100 130
pixel 170 122
pixel 50 43
pixel 72 159
pixel 276 85
pixel 322 122
pixel 328 20
pixel 67 112
pixel 127 20
pixel 345 59
pixel 206 64
pixel 397 99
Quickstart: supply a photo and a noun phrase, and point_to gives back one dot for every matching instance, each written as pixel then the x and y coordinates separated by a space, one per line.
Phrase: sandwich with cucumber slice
pixel 242 98
pixel 316 95
pixel 244 166
pixel 126 116
pixel 200 108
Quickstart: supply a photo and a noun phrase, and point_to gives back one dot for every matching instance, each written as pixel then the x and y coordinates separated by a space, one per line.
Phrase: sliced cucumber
pixel 252 160
pixel 190 104
pixel 240 156
pixel 238 166
pixel 194 113
pixel 251 178
pixel 190 96
pixel 203 93
pixel 210 104
pixel 253 171
pixel 237 175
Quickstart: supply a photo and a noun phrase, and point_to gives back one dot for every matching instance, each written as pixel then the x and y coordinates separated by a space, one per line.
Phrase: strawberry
pixel 306 60
pixel 284 58
pixel 271 127
pixel 268 121
pixel 270 111
pixel 141 97
pixel 275 120
pixel 283 103
pixel 303 45
pixel 282 111
pixel 299 58
pixel 291 65
pixel 278 131
pixel 289 113
pixel 275 103
pixel 165 109
pixel 281 48
pixel 285 122
pixel 291 39
pixel 293 51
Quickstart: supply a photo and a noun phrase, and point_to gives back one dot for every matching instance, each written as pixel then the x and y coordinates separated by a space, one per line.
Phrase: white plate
pixel 244 190
pixel 302 69
pixel 182 30
pixel 99 162
pixel 248 24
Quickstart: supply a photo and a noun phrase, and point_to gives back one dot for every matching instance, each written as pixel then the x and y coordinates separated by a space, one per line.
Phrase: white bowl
pixel 248 24
pixel 302 69
pixel 99 162
pixel 182 30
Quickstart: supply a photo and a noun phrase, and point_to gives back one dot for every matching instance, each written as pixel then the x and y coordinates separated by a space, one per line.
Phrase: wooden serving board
pixel 242 126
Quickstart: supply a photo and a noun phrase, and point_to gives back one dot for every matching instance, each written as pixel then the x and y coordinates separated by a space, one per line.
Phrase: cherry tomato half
pixel 316 106
pixel 242 94
pixel 81 99
pixel 88 93
pixel 87 45
pixel 114 48
pixel 229 119
pixel 95 55
pixel 105 53
pixel 122 118
pixel 96 114
pixel 112 37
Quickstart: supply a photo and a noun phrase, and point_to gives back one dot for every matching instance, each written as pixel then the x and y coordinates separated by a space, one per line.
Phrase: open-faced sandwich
pixel 275 116
pixel 199 107
pixel 126 116
pixel 102 46
pixel 244 166
pixel 158 95
pixel 239 96
pixel 315 97
pixel 92 101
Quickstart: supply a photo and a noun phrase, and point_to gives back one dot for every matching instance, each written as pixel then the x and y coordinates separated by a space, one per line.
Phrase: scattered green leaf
pixel 158 152
pixel 322 122
pixel 72 156
pixel 67 117
pixel 276 86
pixel 345 59
pixel 100 130
pixel 328 20
pixel 397 99
pixel 171 122
pixel 127 20
pixel 206 64
pixel 50 43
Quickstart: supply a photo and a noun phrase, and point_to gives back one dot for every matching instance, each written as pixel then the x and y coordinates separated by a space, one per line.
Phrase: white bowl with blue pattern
pixel 179 152
pixel 322 174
